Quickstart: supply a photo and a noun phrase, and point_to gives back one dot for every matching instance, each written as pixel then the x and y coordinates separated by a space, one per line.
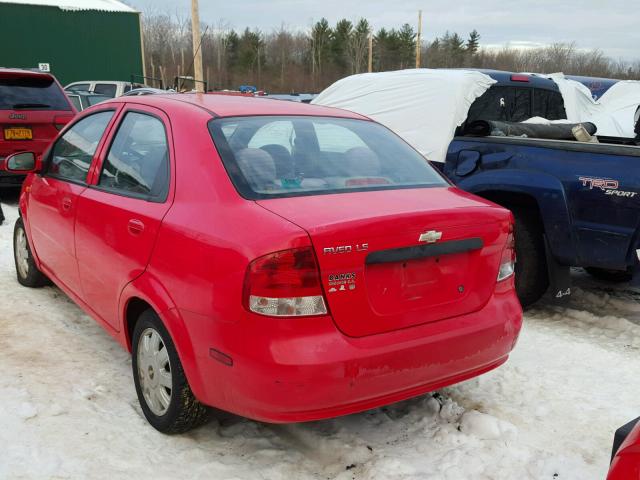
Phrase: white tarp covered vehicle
pixel 614 113
pixel 423 106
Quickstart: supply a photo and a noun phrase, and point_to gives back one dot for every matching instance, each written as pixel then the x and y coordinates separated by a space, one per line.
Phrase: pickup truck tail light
pixel 285 284
pixel 508 260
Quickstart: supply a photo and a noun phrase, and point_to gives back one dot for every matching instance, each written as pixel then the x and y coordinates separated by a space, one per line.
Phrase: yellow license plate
pixel 18 134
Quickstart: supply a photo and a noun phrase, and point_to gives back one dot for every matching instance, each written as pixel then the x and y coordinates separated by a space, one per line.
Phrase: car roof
pixel 22 72
pixel 119 82
pixel 504 78
pixel 597 85
pixel 232 106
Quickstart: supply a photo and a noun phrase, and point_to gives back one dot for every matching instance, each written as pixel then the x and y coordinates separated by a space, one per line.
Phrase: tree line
pixel 286 60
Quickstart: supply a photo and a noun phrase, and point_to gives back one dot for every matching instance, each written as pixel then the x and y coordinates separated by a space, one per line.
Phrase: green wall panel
pixel 79 45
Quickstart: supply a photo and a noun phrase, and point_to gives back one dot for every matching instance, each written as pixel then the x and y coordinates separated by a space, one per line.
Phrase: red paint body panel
pixel 626 462
pixel 405 331
pixel 395 295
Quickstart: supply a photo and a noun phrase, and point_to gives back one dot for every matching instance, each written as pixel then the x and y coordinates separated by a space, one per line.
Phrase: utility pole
pixel 370 53
pixel 419 40
pixel 197 52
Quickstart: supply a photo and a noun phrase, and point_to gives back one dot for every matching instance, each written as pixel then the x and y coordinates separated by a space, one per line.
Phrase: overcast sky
pixel 610 25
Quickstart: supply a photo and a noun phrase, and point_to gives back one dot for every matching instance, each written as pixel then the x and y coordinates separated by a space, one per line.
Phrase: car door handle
pixel 66 204
pixel 136 227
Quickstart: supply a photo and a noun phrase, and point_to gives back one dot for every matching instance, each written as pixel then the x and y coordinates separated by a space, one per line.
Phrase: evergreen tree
pixel 321 36
pixel 407 46
pixel 473 43
pixel 339 44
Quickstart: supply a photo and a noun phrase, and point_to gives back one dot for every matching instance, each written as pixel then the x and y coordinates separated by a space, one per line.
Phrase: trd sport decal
pixel 608 186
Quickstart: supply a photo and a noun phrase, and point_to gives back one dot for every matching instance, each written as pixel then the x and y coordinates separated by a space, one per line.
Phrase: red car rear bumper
pixel 299 370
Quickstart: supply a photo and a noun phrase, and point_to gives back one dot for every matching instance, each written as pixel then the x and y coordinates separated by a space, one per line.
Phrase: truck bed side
pixel 587 195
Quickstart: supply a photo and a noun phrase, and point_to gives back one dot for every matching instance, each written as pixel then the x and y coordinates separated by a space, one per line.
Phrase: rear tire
pixel 614 276
pixel 27 271
pixel 532 277
pixel 162 387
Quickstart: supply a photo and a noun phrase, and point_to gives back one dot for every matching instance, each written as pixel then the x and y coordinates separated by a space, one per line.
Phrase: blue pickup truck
pixel 575 204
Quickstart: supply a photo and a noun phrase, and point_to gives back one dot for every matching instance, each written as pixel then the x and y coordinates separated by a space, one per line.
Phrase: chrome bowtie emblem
pixel 432 236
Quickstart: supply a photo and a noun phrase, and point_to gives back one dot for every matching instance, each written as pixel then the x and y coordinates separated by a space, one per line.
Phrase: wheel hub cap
pixel 154 371
pixel 22 253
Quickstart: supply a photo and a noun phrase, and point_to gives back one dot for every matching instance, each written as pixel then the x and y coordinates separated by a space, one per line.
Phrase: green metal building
pixel 78 39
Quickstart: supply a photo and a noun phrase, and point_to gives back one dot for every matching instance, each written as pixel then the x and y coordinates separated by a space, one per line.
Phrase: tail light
pixel 508 260
pixel 59 121
pixel 285 284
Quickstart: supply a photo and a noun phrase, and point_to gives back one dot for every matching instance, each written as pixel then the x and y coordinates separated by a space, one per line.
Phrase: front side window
pixel 72 154
pixel 138 160
pixel 275 156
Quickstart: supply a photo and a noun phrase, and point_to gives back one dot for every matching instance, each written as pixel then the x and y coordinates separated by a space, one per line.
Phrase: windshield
pixel 274 156
pixel 31 93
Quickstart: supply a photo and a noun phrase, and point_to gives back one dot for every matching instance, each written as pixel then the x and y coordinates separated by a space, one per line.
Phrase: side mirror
pixel 21 162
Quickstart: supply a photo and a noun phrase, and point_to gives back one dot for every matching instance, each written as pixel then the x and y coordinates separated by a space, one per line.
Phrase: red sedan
pixel 281 261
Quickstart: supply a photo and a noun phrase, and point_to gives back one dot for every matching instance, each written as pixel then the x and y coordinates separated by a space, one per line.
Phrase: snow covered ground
pixel 68 407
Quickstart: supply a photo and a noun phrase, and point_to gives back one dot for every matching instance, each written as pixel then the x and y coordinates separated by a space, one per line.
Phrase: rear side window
pixel 107 89
pixel 32 93
pixel 274 156
pixel 72 154
pixel 138 160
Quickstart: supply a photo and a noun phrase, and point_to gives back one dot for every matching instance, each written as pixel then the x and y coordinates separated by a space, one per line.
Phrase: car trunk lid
pixel 395 259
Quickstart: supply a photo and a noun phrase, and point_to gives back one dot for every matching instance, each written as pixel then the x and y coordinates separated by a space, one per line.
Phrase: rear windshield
pixel 31 93
pixel 275 156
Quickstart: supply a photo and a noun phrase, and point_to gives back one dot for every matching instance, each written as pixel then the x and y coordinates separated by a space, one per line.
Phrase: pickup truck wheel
pixel 532 277
pixel 26 270
pixel 162 387
pixel 615 276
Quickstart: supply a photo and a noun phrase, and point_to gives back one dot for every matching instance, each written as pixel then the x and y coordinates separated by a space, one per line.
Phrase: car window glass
pixel 138 159
pixel 75 99
pixel 334 138
pixel 80 87
pixel 521 105
pixel 73 153
pixel 491 105
pixel 31 93
pixel 105 89
pixel 273 156
pixel 548 104
pixel 95 99
pixel 274 133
